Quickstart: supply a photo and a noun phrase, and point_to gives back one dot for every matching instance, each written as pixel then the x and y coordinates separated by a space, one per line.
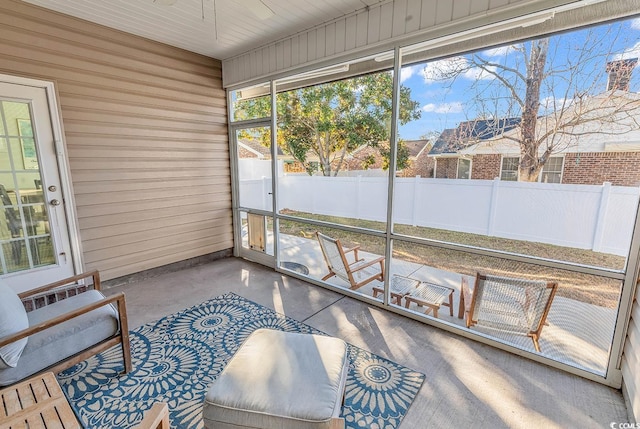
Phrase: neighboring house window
pixel 464 168
pixel 509 169
pixel 552 170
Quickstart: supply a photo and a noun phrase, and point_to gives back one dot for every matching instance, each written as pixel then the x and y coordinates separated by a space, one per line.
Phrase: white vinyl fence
pixel 600 218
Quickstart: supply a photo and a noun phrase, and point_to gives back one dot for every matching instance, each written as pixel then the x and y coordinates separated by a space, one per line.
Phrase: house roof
pixel 608 122
pixel 452 140
pixel 415 147
pixel 258 148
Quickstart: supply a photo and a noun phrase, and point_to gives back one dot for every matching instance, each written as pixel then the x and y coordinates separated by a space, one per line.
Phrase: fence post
pixel 416 201
pixel 600 220
pixel 493 206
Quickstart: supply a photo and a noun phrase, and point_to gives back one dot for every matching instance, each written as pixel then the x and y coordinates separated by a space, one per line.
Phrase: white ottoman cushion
pixel 280 380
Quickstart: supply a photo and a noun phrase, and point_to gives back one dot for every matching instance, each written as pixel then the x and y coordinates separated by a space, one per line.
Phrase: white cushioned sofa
pixel 60 334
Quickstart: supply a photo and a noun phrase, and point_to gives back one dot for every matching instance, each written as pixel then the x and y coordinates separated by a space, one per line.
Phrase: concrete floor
pixel 467 384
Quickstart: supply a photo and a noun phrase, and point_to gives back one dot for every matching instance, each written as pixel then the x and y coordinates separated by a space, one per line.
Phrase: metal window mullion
pixel 393 145
pixel 274 174
pixel 250 123
pixel 3 260
pixel 235 183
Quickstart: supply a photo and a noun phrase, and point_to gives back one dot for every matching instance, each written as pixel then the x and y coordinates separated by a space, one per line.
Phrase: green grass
pixel 582 287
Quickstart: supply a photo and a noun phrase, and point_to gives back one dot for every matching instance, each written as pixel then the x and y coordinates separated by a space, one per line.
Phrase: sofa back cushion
pixel 13 318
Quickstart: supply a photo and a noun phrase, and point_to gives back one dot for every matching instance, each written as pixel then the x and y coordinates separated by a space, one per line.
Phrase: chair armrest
pixel 354 250
pixel 366 264
pixel 96 283
pixel 155 418
pixel 122 318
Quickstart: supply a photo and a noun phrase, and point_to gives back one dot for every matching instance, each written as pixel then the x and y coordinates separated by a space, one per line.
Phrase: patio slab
pixel 468 384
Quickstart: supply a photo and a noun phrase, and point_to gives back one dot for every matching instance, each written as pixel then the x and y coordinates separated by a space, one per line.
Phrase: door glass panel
pixel 25 237
pixel 255 193
pixel 254 167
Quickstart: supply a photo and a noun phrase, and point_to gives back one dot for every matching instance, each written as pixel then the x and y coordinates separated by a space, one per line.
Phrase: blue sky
pixel 447 102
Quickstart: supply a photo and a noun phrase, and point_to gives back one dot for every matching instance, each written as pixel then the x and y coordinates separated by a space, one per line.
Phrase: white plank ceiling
pixel 191 24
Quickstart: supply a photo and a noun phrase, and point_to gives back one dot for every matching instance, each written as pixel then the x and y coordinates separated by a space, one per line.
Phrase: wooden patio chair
pixel 512 305
pixel 336 258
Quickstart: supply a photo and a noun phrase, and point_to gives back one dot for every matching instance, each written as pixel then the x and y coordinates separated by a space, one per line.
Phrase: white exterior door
pixel 34 235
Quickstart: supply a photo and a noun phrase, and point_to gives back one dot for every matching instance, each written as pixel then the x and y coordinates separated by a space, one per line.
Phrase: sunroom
pixel 177 145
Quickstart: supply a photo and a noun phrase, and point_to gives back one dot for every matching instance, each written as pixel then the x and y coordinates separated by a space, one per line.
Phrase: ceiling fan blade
pixel 258 8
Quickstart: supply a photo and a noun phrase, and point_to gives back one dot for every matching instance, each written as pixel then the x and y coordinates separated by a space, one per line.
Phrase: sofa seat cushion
pixel 61 341
pixel 13 319
pixel 280 380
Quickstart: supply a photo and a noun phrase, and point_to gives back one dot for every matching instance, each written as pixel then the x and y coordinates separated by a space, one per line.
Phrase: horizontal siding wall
pixel 146 132
pixel 402 22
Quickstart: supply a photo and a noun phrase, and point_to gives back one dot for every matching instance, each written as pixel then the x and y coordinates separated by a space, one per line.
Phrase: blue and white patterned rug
pixel 176 358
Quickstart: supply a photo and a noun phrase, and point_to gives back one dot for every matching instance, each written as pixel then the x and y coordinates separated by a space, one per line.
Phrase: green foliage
pixel 327 122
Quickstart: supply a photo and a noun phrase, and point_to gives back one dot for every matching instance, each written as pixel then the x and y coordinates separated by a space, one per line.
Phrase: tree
pixel 333 119
pixel 556 87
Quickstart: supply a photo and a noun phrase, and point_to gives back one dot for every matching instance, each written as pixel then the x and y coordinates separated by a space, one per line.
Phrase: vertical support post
pixel 598 233
pixel 235 178
pixel 274 173
pixel 393 149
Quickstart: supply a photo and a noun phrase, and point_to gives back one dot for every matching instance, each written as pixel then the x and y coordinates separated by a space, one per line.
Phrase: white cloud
pixel 455 107
pixel 501 51
pixel 443 69
pixel 553 103
pixel 407 72
pixel 451 67
pixel 632 52
pixel 477 73
pixel 635 24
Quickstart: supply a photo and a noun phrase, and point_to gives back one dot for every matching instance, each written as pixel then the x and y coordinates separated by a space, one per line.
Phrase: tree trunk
pixel 530 164
pixel 324 156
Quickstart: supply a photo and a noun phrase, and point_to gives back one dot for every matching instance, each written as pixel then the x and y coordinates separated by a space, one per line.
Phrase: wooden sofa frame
pixel 122 337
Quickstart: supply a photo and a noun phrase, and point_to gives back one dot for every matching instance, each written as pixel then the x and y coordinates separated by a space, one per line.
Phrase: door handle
pixel 54 202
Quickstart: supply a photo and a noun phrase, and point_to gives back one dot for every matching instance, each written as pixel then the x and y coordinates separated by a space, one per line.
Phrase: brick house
pixel 446 151
pixel 370 158
pixel 593 152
